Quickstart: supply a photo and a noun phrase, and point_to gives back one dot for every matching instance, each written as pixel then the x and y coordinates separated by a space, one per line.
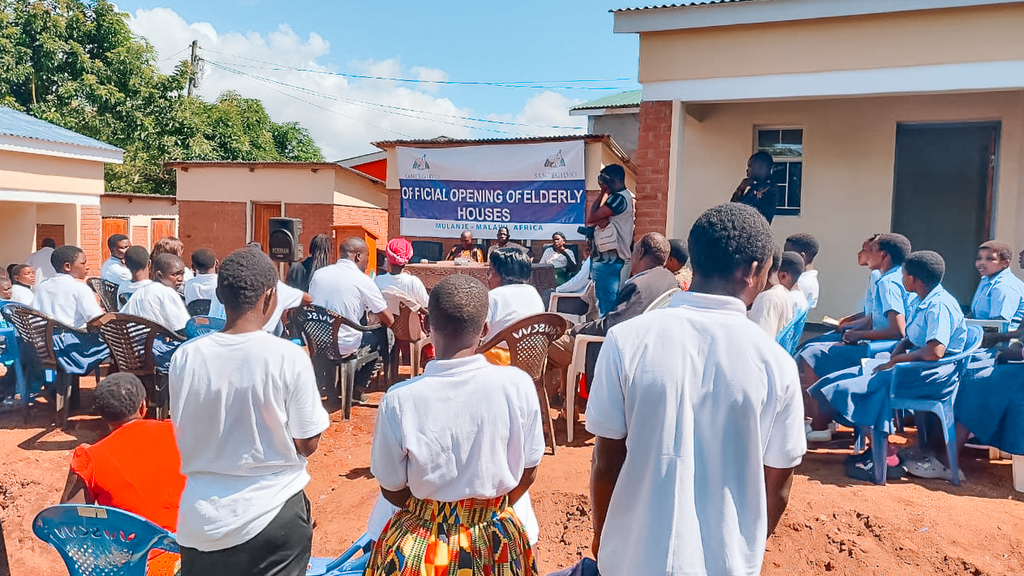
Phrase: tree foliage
pixel 78 65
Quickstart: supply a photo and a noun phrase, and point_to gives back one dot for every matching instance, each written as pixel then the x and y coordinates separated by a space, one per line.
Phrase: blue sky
pixel 529 40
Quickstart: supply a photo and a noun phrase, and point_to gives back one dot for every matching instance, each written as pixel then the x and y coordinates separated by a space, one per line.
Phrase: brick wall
pixel 316 219
pixel 140 236
pixel 217 225
pixel 394 213
pixel 90 231
pixel 373 219
pixel 654 153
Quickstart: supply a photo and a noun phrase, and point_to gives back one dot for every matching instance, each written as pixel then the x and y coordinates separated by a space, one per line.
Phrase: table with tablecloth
pixel 543 277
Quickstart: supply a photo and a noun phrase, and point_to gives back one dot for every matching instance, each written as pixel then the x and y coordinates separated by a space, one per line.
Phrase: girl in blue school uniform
pixel 883 325
pixel 1000 294
pixel 936 328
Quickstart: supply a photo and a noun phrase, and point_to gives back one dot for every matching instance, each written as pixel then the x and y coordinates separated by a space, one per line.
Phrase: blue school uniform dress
pixel 1000 296
pixel 888 295
pixel 863 399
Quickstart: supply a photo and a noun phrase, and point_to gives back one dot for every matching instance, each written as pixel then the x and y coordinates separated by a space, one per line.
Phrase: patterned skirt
pixel 464 538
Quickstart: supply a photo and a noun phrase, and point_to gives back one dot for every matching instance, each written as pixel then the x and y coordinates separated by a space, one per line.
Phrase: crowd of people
pixel 699 416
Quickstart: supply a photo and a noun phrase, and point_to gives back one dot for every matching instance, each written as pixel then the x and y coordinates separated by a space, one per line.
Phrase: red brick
pixel 217 225
pixel 89 236
pixel 653 159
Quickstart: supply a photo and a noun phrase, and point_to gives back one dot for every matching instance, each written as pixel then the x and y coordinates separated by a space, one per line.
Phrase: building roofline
pixel 363 159
pixel 186 164
pixel 130 195
pixel 738 12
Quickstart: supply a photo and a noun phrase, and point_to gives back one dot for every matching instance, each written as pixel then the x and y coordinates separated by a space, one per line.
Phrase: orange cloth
pixel 499 356
pixel 475 254
pixel 136 468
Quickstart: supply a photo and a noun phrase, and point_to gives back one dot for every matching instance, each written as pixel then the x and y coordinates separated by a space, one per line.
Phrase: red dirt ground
pixel 834 525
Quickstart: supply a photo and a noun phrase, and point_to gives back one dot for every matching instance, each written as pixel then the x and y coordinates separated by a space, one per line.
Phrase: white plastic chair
pixel 556 296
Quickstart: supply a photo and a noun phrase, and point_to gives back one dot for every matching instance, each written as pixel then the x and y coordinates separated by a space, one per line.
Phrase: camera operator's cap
pixel 399 251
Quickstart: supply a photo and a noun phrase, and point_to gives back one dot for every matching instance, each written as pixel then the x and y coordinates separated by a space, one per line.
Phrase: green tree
pixel 78 65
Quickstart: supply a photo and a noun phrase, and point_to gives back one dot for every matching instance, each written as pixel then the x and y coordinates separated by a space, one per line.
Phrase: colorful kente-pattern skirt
pixel 464 538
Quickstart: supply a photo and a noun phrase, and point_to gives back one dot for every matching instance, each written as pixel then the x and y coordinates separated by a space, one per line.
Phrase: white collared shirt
pixel 772 310
pixel 508 304
pixel 67 301
pixel 114 270
pixel 202 287
pixel 704 400
pixel 158 303
pixel 808 284
pixel 22 295
pixel 345 289
pixel 40 262
pixel 287 298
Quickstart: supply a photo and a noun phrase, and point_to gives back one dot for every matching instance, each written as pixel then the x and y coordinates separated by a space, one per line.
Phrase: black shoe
pixel 862 467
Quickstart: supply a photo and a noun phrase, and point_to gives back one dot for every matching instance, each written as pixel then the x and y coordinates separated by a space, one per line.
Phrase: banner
pixel 534 189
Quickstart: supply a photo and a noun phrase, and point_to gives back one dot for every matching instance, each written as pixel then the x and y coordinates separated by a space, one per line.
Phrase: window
pixel 786 145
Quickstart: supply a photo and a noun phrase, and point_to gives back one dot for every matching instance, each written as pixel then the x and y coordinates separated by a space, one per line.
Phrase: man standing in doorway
pixel 612 216
pixel 757 189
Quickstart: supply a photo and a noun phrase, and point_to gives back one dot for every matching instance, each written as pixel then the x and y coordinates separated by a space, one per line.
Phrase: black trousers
pixel 281 549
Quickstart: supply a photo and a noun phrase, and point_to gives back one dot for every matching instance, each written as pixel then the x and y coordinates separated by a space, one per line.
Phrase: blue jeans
pixel 607 279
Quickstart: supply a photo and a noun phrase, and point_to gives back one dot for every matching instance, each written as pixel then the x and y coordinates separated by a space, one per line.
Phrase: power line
pixel 176 53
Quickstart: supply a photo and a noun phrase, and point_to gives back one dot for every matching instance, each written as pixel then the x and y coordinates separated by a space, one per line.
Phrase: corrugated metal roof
pixel 621 100
pixel 681 5
pixel 14 123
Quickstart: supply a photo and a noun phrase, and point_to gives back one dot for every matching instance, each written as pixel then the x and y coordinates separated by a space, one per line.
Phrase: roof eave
pixel 24 145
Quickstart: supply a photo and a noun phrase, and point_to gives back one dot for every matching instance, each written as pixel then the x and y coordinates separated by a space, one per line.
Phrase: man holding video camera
pixel 611 216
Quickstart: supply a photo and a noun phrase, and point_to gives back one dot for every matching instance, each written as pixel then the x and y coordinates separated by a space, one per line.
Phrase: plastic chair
pixel 528 341
pixel 11 354
pixel 558 297
pixel 790 336
pixel 941 407
pixel 319 329
pixel 107 292
pixel 100 541
pixel 346 564
pixel 661 301
pixel 408 328
pixel 200 325
pixel 200 307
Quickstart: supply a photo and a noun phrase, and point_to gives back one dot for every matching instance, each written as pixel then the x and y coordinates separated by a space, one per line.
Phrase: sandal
pixel 929 467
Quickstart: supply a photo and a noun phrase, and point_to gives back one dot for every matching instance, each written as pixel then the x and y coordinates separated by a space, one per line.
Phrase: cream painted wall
pixel 238 184
pixel 354 190
pixel 34 172
pixel 976 34
pixel 66 214
pixel 18 232
pixel 849 147
pixel 158 207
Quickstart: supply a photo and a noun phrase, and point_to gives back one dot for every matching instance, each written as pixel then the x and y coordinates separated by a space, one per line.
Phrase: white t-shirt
pixel 114 270
pixel 447 437
pixel 704 400
pixel 405 283
pixel 202 287
pixel 67 301
pixel 132 287
pixel 40 262
pixel 773 309
pixel 287 298
pixel 160 304
pixel 800 303
pixel 808 284
pixel 508 304
pixel 557 259
pixel 22 294
pixel 237 403
pixel 345 289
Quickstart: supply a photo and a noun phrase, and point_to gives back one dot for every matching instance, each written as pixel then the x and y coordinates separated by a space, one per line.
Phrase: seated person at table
pixel 114 270
pixel 136 259
pixel 454 450
pixel 346 289
pixel 781 300
pixel 511 297
pixel 22 278
pixel 159 301
pixel 807 246
pixel 936 329
pixel 399 252
pixel 559 256
pixel 503 242
pixel 1000 294
pixel 676 263
pixel 204 285
pixel 465 249
pixel 885 324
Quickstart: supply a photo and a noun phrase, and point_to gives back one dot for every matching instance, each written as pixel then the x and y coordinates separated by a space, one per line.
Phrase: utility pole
pixel 194 61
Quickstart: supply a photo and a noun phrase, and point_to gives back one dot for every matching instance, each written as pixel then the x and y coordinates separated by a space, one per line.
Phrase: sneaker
pixel 862 467
pixel 929 467
pixel 820 435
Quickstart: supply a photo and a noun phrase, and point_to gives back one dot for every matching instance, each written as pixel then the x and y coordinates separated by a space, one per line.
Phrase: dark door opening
pixel 942 194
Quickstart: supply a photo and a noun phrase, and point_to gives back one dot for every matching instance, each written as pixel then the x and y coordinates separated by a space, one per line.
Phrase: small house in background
pixel 144 218
pixel 617 115
pixel 51 184
pixel 224 205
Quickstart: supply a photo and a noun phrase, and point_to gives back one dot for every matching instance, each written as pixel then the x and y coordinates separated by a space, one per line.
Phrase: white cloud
pixel 353 114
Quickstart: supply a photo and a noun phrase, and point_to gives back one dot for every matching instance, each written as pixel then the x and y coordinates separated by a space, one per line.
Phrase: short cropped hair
pixel 458 305
pixel 792 264
pixel 727 238
pixel 204 259
pixel 114 240
pixel 244 277
pixel 49 243
pixel 136 258
pixel 14 269
pixel 615 172
pixel 512 265
pixel 897 246
pixel 164 262
pixel 763 157
pixel 677 250
pixel 926 266
pixel 118 397
pixel 804 243
pixel 66 254
pixel 1001 249
pixel 655 246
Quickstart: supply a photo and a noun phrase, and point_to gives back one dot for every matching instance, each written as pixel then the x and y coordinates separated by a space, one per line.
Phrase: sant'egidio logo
pixel 422 164
pixel 555 160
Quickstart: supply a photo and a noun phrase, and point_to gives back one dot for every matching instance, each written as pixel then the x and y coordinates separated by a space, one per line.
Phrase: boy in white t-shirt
pixel 782 300
pixel 246 414
pixel 136 259
pixel 204 285
pixel 807 247
pixel 159 300
pixel 454 449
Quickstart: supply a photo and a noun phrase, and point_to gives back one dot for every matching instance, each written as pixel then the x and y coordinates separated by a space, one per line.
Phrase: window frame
pixel 784 210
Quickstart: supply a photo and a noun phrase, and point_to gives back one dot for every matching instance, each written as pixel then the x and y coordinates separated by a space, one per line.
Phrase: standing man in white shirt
pixel 246 415
pixel 114 270
pixel 698 418
pixel 204 285
pixel 40 261
pixel 807 246
pixel 346 289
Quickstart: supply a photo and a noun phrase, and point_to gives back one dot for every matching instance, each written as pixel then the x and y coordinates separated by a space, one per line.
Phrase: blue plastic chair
pixel 346 564
pixel 11 355
pixel 941 407
pixel 101 541
pixel 790 336
pixel 200 325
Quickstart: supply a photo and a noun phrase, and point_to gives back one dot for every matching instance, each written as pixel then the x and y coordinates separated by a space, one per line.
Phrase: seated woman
pixel 399 252
pixel 936 328
pixel 23 278
pixel 511 298
pixel 559 256
pixel 454 455
pixel 1000 294
pixel 135 468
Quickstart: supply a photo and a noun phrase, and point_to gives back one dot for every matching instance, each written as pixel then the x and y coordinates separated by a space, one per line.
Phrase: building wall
pixel 976 34
pixel 373 219
pixel 17 235
pixel 624 128
pixel 140 212
pixel 34 172
pixel 217 225
pixel 316 219
pixel 90 232
pixel 239 184
pixel 653 159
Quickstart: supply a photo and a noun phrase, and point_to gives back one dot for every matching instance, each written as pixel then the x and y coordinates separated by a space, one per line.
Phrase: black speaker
pixel 284 239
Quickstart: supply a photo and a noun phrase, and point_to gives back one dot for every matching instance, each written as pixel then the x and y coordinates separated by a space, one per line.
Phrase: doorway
pixel 262 212
pixel 943 194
